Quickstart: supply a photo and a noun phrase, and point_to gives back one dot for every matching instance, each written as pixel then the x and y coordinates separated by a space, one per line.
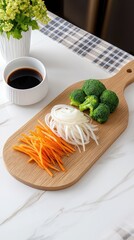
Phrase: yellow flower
pixel 18 15
pixel 7 27
pixel 2 14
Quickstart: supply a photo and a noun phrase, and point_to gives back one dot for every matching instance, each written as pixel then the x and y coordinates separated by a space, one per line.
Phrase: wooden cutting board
pixel 78 163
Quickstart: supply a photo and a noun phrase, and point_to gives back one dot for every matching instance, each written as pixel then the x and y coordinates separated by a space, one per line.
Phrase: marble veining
pixel 86 206
pixel 32 200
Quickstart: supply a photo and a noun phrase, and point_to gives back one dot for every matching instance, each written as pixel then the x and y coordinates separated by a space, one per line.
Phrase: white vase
pixel 13 48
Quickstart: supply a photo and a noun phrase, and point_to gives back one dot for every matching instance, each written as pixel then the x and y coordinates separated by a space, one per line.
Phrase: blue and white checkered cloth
pixel 121 234
pixel 124 231
pixel 86 45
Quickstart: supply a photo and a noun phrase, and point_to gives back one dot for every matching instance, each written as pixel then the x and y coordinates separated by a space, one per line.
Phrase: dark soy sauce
pixel 24 78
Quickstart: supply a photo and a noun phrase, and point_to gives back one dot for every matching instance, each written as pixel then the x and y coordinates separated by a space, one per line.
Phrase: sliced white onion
pixel 72 125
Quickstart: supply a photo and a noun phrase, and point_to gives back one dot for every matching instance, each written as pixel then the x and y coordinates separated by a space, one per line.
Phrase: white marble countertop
pixel 103 197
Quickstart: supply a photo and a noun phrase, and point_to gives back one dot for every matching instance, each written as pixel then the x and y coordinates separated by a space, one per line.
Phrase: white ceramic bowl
pixel 30 95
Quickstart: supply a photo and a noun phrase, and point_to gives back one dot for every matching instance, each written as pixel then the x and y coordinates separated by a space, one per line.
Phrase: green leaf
pixel 34 24
pixel 24 27
pixel 8 34
pixel 20 18
pixel 16 33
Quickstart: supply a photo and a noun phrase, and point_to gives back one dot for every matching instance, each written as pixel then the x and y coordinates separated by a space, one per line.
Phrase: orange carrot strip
pixel 45 148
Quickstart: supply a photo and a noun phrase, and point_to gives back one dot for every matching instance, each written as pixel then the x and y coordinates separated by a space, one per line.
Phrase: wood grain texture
pixel 78 163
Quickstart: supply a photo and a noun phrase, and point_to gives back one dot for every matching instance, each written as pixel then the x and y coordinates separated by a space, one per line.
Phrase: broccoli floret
pixel 110 99
pixel 93 87
pixel 77 97
pixel 101 113
pixel 90 103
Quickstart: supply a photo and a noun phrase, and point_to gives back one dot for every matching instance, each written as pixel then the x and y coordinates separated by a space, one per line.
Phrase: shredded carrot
pixel 45 148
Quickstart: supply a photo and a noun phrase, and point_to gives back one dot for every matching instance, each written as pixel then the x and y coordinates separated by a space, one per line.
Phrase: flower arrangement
pixel 19 15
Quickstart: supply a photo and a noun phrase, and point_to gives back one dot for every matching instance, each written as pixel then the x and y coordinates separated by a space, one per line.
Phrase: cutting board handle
pixel 122 79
